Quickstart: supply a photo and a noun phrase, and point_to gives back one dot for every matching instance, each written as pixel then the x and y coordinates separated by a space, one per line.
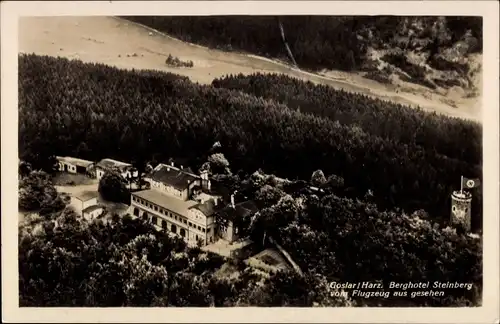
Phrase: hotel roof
pixel 166 201
pixel 173 176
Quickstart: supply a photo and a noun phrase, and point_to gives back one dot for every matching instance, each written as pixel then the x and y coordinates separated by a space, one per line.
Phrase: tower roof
pixel 465 195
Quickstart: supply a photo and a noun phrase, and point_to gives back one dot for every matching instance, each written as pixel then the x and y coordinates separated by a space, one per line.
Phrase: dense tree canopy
pixel 68 261
pixel 218 164
pixel 113 187
pixel 357 228
pixel 353 240
pixel 131 115
pixel 452 137
pixel 316 42
pixel 122 262
pixel 37 192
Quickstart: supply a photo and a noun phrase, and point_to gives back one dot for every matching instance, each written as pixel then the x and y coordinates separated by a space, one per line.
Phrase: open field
pixel 67 179
pixel 127 45
pixel 73 190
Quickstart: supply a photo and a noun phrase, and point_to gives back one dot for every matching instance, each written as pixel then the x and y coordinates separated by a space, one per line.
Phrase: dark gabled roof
pixel 173 176
pixel 208 208
pixel 86 195
pixel 166 201
pixel 240 210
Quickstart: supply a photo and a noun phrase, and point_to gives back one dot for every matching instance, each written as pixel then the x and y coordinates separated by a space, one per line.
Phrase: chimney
pixel 232 200
pixel 172 163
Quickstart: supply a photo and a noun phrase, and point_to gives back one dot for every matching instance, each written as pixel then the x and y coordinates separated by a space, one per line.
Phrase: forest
pixel 352 239
pixel 316 42
pixel 326 41
pixel 384 119
pixel 66 261
pixel 387 185
pixel 413 161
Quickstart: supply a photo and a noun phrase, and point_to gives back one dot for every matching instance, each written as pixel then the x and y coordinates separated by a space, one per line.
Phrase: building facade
pixel 93 212
pixel 125 169
pixel 178 201
pixel 84 200
pixel 74 165
pixel 184 203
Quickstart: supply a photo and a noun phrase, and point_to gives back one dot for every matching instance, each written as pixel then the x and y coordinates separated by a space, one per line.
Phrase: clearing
pixel 87 184
pixel 127 45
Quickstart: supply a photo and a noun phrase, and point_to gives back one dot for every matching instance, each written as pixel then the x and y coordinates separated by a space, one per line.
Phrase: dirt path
pixel 128 45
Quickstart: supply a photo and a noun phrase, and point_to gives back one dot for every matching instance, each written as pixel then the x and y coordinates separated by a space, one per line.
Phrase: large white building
pixel 184 203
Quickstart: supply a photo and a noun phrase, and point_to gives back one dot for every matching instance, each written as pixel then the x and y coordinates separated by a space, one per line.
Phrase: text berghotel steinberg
pixel 402 286
pixel 367 289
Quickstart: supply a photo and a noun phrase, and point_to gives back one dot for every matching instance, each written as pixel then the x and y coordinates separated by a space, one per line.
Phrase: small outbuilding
pixel 84 200
pixel 125 169
pixel 74 165
pixel 93 212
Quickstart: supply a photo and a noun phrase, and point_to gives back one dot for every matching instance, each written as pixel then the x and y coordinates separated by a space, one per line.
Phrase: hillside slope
pixel 427 56
pixel 127 45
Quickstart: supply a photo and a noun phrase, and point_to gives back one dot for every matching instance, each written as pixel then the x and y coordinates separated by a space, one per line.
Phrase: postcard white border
pixel 488 313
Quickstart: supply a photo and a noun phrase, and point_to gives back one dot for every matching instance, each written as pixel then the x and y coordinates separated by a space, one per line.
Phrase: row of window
pixel 163 223
pixel 168 189
pixel 167 213
pixel 154 220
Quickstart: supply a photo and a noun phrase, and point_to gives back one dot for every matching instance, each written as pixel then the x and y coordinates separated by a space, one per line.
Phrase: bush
pixel 439 63
pixel 399 60
pixel 175 62
pixel 37 193
pixel 113 187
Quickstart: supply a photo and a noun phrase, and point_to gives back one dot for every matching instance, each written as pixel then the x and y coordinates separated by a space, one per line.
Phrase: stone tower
pixel 460 209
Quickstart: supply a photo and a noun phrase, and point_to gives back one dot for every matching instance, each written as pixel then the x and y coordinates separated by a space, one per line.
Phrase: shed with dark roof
pixel 208 208
pixel 239 210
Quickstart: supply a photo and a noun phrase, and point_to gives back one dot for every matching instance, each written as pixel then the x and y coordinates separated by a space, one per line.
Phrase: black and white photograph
pixel 176 159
